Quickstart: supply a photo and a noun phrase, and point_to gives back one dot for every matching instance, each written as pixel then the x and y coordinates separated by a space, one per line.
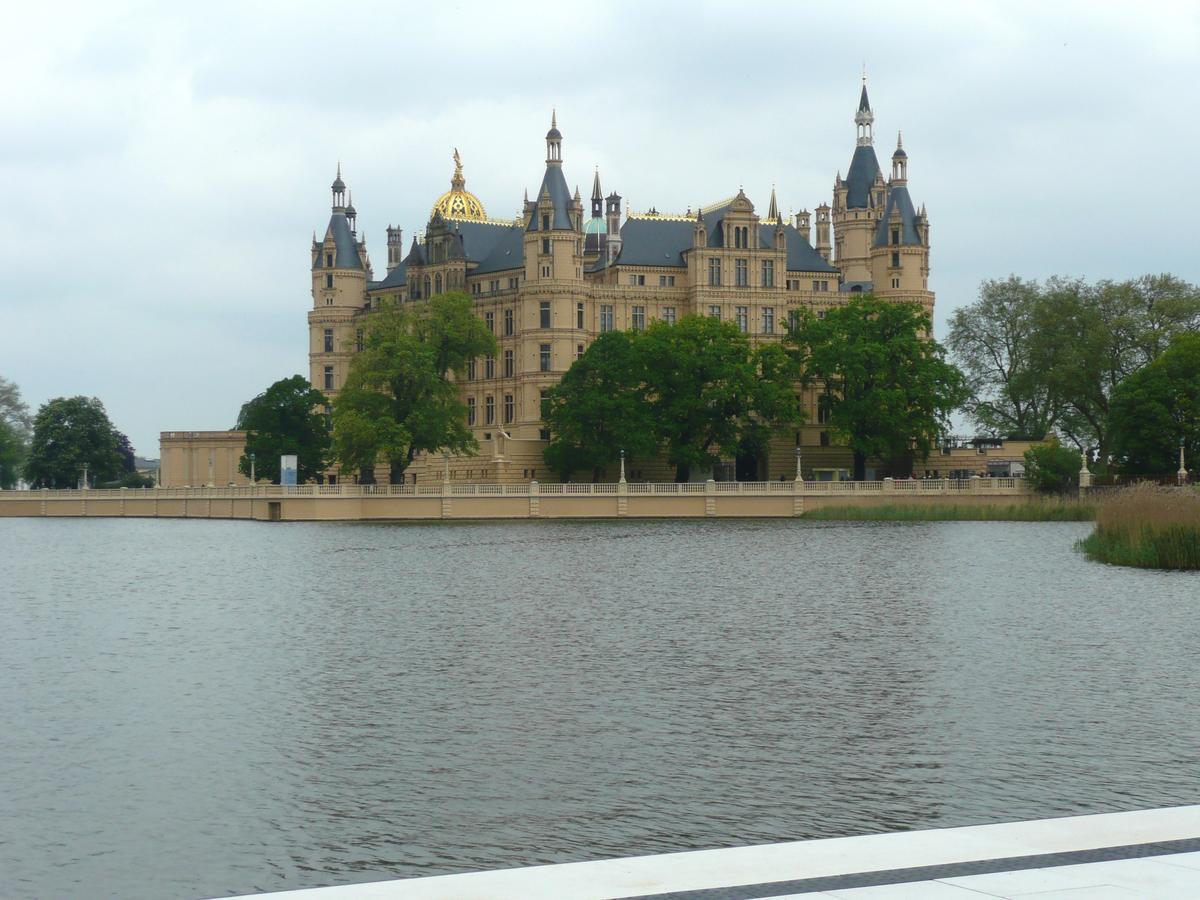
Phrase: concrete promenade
pixel 459 500
pixel 1142 854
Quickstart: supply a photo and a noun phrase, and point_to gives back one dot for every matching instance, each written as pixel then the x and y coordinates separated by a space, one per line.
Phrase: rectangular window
pixel 489 411
pixel 579 315
pixel 328 340
pixel 714 312
pixel 666 281
pixel 358 340
pixel 895 260
pixel 824 439
pixel 638 318
pixel 545 223
pixel 768 320
pixel 471 369
pixel 470 410
pixel 329 378
pixel 743 318
pixel 509 408
pixel 793 284
pixel 508 323
pixel 637 279
pixel 544 314
pixel 741 273
pixel 489 319
pixel 543 407
pixel 606 318
pixel 895 282
pixel 793 318
pixel 544 357
pixel 668 315
pixel 823 410
pixel 578 350
pixel 714 272
pixel 508 364
pixel 475 288
pixel 545 271
pixel 768 273
pixel 489 367
pixel 895 236
pixel 329 260
pixel 512 283
pixel 545 245
pixel 328 281
pixel 494 285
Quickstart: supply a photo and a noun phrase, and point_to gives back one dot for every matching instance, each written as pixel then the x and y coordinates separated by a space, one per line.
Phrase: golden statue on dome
pixel 458 203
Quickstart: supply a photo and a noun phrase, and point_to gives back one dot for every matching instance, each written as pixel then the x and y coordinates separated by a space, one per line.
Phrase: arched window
pixel 437 283
pixel 427 291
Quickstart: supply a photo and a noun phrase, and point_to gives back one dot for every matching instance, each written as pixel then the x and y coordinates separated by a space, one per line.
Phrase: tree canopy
pixel 1052 468
pixel 992 340
pixel 695 391
pixel 69 434
pixel 885 382
pixel 14 433
pixel 1156 407
pixel 399 399
pixel 286 418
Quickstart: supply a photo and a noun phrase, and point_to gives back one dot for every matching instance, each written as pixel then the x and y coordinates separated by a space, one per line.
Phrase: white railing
pixel 460 489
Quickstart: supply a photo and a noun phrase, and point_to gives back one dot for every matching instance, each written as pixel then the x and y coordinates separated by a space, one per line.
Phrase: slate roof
pixel 662 242
pixel 863 169
pixel 397 278
pixel 346 255
pixel 864 105
pixel 560 197
pixel 898 199
pixel 507 251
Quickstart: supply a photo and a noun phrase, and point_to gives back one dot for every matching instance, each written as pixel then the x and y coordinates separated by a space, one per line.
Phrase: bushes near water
pixel 1032 511
pixel 1147 526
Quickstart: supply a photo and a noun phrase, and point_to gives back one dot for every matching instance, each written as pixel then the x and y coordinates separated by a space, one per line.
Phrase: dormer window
pixel 329 260
pixel 895 236
pixel 545 223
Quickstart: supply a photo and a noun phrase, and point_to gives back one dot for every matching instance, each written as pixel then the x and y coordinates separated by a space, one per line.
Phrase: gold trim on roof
pixel 677 217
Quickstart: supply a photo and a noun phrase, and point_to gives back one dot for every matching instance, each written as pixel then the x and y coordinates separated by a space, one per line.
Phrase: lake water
pixel 192 708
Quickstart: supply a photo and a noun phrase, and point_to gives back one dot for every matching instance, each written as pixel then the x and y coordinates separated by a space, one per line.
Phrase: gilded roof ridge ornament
pixel 458 203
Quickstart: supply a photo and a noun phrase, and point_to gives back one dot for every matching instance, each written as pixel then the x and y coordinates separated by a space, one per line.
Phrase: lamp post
pixel 798 476
pixel 622 479
pixel 252 479
pixel 1182 474
pixel 85 478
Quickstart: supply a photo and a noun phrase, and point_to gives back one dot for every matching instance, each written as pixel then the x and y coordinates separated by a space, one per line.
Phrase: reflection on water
pixel 201 708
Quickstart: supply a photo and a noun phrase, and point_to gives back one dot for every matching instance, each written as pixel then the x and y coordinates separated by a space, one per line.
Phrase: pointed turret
pixel 899 162
pixel 864 118
pixel 773 209
pixel 352 214
pixel 552 212
pixel 339 190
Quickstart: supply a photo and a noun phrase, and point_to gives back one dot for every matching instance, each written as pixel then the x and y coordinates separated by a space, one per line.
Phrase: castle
pixel 549 282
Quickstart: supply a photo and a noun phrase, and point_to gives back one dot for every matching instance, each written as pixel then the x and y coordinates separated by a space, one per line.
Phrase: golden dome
pixel 458 202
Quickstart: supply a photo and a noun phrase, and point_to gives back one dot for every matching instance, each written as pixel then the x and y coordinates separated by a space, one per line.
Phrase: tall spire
pixel 339 189
pixel 864 118
pixel 597 196
pixel 773 211
pixel 554 141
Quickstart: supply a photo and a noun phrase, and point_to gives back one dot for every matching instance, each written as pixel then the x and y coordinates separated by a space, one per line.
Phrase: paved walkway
pixel 1147 853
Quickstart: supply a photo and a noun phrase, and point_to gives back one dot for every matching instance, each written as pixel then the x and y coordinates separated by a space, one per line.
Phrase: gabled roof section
pixel 898 200
pixel 863 169
pixel 346 247
pixel 416 254
pixel 397 278
pixel 555 184
pixel 506 252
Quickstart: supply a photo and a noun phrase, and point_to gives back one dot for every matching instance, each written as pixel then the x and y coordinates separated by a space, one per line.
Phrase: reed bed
pixel 1147 526
pixel 1049 510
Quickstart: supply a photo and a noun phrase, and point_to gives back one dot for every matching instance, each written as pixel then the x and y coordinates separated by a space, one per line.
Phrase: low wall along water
pixel 451 500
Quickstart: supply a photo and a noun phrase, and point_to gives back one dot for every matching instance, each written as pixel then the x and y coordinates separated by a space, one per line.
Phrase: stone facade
pixel 549 282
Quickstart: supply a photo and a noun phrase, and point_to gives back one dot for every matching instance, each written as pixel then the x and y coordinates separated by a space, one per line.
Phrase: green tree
pixel 286 418
pixel 1156 407
pixel 14 433
pixel 991 340
pixel 600 408
pixel 886 383
pixel 1089 338
pixel 69 434
pixel 1052 468
pixel 711 395
pixel 399 398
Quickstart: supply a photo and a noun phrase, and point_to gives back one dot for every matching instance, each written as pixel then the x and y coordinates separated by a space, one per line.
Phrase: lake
pixel 199 708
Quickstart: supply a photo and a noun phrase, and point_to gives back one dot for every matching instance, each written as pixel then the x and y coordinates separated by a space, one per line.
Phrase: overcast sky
pixel 164 165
